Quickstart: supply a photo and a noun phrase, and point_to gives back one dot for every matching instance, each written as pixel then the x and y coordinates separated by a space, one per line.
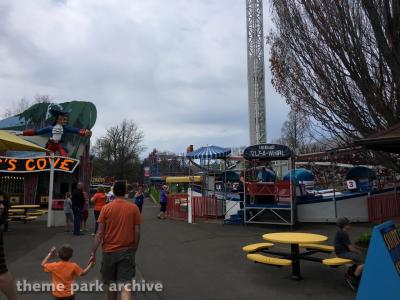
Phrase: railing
pixel 207 207
pixel 202 207
pixel 383 207
pixel 177 206
pixel 260 188
pixel 278 189
pixel 283 189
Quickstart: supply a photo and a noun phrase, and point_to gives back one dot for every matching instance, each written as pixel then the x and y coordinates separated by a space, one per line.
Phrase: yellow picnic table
pixel 16 210
pixel 294 239
pixel 24 208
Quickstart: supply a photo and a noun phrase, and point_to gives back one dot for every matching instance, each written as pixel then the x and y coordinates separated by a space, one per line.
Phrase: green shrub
pixel 364 239
pixel 155 194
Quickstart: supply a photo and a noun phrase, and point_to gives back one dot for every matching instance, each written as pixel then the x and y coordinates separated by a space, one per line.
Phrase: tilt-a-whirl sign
pixel 37 164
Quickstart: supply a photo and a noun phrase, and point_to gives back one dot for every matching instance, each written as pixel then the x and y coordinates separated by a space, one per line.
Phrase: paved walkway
pixel 198 261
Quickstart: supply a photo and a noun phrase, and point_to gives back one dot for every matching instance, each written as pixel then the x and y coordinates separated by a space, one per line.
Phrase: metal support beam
pixel 255 71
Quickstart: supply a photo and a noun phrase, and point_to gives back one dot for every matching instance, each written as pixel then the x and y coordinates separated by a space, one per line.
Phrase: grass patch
pixel 363 240
pixel 155 194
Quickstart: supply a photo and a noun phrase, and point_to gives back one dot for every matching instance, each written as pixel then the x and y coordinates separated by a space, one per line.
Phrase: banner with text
pixel 37 164
pixel 267 152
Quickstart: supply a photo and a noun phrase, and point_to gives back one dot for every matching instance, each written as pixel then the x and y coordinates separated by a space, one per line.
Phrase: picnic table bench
pixel 21 213
pixel 309 242
pixel 16 211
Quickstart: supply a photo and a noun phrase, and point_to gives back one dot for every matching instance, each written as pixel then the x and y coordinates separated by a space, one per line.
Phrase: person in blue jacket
pixel 262 175
pixel 163 202
pixel 139 198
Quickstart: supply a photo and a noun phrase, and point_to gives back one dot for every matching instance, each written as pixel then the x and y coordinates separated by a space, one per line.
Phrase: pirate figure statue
pixel 57 132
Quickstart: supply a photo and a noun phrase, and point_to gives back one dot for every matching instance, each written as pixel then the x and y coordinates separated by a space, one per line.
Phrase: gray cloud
pixel 177 67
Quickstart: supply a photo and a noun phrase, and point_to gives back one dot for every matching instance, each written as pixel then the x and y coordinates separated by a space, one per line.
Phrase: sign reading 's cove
pixel 37 164
pixel 267 152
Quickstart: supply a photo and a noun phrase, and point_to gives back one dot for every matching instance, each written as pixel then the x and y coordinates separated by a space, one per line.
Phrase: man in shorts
pixel 345 249
pixel 119 232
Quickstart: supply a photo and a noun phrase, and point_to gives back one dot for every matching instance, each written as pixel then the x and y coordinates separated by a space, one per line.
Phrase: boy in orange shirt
pixel 63 272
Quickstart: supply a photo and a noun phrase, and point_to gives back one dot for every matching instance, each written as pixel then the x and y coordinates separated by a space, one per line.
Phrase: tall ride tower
pixel 255 71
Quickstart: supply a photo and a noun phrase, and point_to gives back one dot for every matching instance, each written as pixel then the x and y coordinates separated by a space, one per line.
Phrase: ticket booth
pixel 270 202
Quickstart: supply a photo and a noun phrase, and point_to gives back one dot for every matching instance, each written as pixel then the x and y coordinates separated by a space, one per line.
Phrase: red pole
pixel 194 204
pixel 216 207
pixel 369 210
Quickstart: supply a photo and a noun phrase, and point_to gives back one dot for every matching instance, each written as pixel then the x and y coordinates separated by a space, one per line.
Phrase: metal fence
pixel 202 207
pixel 383 207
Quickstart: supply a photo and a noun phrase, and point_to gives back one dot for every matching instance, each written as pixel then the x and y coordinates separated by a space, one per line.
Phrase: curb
pixel 154 200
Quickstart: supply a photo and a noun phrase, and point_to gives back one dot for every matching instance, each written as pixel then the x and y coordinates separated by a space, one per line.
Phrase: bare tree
pixel 24 104
pixel 17 108
pixel 42 99
pixel 340 62
pixel 295 131
pixel 117 152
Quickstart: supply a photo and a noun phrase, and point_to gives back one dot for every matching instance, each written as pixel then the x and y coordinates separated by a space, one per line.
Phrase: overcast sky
pixel 176 67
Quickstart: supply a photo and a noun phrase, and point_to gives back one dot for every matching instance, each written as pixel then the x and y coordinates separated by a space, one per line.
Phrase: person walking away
pixel 240 191
pixel 69 217
pixel 110 195
pixel 4 215
pixel 163 202
pixel 78 201
pixel 99 199
pixel 7 285
pixel 85 212
pixel 131 193
pixel 63 272
pixel 345 249
pixel 139 198
pixel 262 175
pixel 119 233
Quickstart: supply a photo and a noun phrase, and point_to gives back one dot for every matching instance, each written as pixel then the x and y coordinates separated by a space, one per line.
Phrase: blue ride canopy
pixel 360 172
pixel 212 152
pixel 300 175
pixel 268 176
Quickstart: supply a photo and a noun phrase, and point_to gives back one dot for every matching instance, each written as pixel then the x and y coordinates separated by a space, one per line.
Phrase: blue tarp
pixel 300 175
pixel 25 154
pixel 155 179
pixel 360 172
pixel 267 176
pixel 230 176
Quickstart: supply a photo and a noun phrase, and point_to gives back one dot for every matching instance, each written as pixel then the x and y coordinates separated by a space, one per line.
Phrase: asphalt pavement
pixel 201 261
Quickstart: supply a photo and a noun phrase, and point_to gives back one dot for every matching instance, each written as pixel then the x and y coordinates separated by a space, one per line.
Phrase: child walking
pixel 69 216
pixel 63 272
pixel 85 213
